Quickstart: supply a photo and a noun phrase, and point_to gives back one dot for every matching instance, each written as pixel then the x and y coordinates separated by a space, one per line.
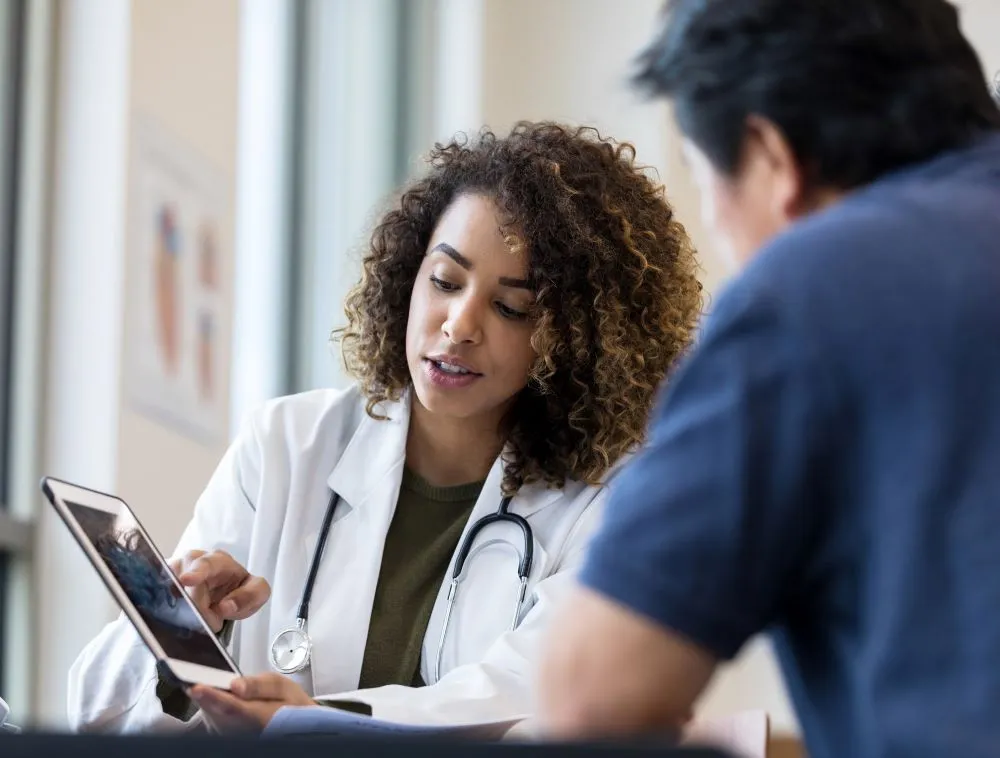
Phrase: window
pixel 365 77
pixel 26 45
pixel 347 129
pixel 14 535
pixel 360 82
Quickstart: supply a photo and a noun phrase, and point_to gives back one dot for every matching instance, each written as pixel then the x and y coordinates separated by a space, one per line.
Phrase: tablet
pixel 183 644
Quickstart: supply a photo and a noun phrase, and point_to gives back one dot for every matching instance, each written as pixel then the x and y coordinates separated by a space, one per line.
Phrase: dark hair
pixel 858 87
pixel 616 292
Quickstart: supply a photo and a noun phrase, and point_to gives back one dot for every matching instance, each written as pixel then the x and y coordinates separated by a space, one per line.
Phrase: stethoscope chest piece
pixel 291 649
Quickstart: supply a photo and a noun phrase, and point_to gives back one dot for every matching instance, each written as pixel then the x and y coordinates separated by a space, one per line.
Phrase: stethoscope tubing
pixel 300 631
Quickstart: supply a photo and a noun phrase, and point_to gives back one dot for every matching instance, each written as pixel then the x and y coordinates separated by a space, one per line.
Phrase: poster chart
pixel 176 327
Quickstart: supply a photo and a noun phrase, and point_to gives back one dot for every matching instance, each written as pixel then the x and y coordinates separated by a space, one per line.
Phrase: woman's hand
pixel 220 587
pixel 252 703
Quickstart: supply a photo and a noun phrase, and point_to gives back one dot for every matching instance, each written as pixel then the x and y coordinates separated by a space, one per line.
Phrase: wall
pixel 184 76
pixel 537 64
pixel 981 22
pixel 176 62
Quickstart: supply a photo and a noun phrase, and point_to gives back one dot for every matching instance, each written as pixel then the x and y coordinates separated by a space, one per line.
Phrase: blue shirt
pixel 826 466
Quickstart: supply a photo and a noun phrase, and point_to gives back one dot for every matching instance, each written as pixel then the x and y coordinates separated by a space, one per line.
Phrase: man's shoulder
pixel 812 287
pixel 833 240
pixel 909 216
pixel 844 262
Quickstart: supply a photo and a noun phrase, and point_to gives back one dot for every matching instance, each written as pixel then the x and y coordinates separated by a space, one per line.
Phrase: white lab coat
pixel 265 506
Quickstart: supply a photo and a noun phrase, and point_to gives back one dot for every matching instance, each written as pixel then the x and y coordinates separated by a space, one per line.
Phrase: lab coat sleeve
pixel 499 687
pixel 112 683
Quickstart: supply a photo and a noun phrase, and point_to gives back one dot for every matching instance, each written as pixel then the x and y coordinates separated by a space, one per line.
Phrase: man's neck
pixel 451 451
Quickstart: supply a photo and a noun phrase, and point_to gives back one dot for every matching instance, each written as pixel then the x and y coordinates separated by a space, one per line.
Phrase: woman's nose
pixel 463 324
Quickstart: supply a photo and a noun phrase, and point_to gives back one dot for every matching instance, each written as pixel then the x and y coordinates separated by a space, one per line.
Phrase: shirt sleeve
pixel 708 530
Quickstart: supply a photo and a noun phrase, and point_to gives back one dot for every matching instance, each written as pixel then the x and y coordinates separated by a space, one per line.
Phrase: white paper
pixel 743 733
pixel 294 720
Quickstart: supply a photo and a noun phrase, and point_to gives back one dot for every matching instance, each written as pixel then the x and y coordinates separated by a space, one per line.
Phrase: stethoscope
pixel 291 650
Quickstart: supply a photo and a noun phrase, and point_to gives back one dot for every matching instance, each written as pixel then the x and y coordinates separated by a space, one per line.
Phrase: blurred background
pixel 256 140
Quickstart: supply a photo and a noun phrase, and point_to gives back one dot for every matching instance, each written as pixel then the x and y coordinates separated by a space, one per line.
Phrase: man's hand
pixel 252 704
pixel 220 587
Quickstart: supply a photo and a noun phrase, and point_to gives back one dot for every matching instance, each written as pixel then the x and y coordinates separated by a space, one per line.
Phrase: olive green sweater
pixel 422 538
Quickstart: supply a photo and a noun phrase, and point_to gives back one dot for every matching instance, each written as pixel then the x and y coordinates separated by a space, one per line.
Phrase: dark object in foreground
pixel 90 746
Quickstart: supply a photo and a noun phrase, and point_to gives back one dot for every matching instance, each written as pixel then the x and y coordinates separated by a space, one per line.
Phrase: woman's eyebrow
pixel 452 253
pixel 523 284
pixel 461 260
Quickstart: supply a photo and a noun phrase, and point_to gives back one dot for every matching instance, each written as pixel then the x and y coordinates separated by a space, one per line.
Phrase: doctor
pixel 517 309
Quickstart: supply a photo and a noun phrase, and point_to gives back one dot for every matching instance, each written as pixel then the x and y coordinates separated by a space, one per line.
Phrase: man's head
pixel 785 105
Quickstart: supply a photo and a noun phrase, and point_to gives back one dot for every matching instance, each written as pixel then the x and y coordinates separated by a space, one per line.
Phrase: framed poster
pixel 177 311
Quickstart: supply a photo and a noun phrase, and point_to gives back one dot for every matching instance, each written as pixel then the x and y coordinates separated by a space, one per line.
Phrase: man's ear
pixel 787 177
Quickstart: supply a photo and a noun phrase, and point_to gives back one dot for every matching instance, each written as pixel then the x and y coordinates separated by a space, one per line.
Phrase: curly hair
pixel 617 297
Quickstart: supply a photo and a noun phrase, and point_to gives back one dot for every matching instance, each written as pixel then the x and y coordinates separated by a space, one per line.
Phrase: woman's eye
pixel 507 312
pixel 442 285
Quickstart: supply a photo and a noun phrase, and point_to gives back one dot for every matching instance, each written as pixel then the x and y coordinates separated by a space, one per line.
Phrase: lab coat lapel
pixel 375 449
pixel 367 478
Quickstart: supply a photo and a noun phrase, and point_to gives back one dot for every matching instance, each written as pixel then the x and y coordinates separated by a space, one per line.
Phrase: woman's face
pixel 468 337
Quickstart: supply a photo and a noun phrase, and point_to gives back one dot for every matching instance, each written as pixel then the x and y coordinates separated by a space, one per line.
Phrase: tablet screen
pixel 164 607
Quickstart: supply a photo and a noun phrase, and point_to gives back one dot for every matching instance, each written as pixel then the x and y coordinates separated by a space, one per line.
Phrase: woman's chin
pixel 446 401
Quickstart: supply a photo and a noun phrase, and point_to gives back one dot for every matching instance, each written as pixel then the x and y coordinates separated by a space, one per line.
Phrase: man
pixel 826 465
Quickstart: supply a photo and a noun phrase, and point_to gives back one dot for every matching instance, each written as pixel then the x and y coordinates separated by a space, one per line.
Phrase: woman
pixel 516 312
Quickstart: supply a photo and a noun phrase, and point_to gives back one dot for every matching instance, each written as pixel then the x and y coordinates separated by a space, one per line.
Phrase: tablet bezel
pixel 185 672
